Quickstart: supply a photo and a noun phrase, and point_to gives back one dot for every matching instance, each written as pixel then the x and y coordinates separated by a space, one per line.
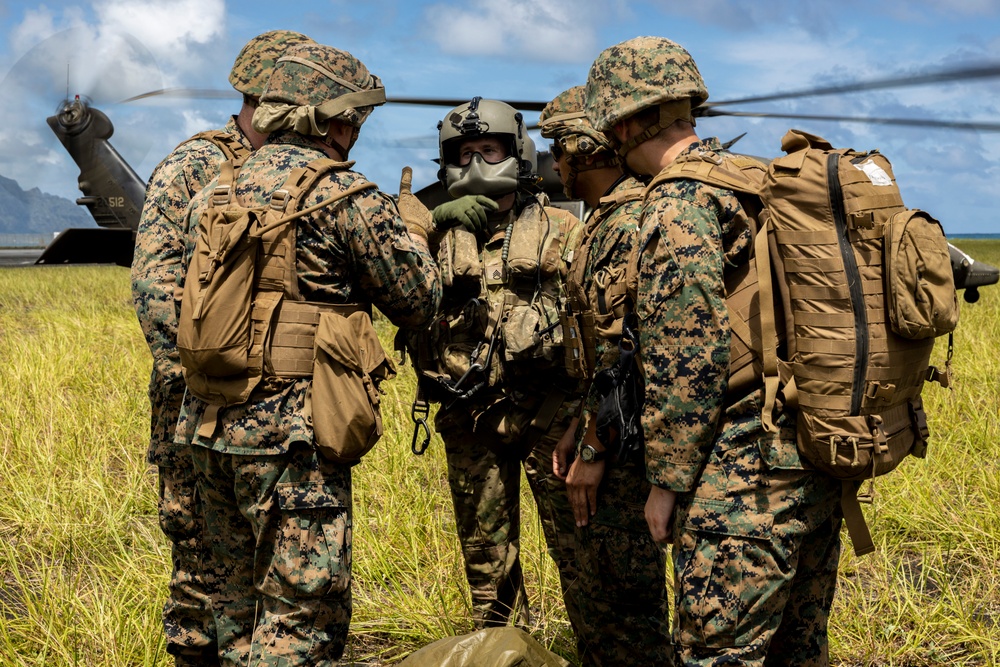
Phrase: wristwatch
pixel 590 455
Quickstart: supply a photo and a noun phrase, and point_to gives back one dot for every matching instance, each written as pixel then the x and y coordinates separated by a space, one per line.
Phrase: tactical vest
pixel 862 284
pixel 503 311
pixel 599 307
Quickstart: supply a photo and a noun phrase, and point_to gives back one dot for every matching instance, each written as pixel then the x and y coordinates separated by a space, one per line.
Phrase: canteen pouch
pixel 919 279
pixel 345 399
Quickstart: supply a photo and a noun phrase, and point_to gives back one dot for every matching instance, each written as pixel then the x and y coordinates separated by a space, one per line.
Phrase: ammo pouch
pixel 459 263
pixel 344 399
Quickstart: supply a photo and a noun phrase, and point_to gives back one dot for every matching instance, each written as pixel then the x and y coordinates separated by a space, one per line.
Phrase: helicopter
pixel 113 193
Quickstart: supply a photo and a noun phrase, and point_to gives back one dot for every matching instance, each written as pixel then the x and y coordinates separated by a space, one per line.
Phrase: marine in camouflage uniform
pixel 156 271
pixel 622 570
pixel 278 512
pixel 755 535
pixel 528 401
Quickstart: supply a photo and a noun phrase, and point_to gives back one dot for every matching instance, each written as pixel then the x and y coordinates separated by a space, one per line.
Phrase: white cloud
pixel 550 30
pixel 181 35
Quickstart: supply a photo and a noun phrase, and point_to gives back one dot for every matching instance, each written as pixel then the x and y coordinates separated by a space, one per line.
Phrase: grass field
pixel 83 566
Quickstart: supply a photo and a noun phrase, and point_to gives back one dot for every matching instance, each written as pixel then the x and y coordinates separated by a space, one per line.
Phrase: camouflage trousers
pixel 755 556
pixel 622 578
pixel 187 612
pixel 279 531
pixel 485 490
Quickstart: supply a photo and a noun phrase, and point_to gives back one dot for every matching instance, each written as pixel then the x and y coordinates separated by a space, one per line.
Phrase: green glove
pixel 469 211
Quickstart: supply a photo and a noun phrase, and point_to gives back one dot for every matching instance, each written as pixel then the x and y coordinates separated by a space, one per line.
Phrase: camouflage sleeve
pixel 160 246
pixel 394 271
pixel 684 329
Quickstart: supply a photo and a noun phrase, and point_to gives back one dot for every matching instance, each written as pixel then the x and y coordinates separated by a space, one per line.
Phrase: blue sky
pixel 518 49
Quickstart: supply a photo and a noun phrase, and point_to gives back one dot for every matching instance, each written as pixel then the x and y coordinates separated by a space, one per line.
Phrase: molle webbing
pixel 580 302
pixel 293 335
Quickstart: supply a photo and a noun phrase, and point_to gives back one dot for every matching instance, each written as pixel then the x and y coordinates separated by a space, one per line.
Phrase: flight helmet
pixel 480 118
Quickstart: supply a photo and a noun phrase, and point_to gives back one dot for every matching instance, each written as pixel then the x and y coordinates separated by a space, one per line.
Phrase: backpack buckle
pixel 880 392
pixel 220 195
pixel 279 200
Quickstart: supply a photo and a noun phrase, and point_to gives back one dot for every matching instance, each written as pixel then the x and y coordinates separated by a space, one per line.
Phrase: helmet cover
pixel 256 59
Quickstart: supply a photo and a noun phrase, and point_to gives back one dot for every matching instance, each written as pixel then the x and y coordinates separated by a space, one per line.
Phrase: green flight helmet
pixel 637 74
pixel 312 84
pixel 256 59
pixel 480 118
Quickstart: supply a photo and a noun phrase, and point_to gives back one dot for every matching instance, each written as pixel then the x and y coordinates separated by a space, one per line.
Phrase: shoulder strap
pixel 228 143
pixel 299 182
pixel 739 173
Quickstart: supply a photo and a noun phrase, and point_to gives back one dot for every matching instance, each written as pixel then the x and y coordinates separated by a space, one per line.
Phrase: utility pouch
pixel 919 280
pixel 533 247
pixel 345 397
pixel 458 259
pixel 532 330
pixel 218 346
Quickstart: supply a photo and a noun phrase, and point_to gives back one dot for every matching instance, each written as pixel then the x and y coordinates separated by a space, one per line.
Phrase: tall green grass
pixel 83 566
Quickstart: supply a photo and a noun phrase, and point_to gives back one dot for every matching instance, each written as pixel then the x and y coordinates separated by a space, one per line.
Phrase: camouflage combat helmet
pixel 312 84
pixel 479 118
pixel 256 59
pixel 563 120
pixel 638 74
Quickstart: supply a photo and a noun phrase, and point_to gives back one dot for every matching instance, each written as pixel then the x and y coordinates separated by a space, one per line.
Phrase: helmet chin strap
pixel 670 113
pixel 340 148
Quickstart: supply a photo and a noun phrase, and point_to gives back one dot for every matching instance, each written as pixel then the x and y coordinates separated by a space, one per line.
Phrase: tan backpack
pixel 862 286
pixel 242 317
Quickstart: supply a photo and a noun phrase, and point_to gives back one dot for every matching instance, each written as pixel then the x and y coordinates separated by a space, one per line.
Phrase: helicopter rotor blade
pixel 186 93
pixel 947 76
pixel 911 122
pixel 520 105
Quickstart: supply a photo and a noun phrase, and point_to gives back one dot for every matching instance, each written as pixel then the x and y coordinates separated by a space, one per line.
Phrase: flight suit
pixel 514 422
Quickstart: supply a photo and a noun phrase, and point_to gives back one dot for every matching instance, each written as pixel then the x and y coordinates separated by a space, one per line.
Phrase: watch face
pixel 587 453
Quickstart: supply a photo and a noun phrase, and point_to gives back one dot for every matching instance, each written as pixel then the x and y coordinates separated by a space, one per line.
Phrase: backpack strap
pixel 742 175
pixel 738 173
pixel 227 142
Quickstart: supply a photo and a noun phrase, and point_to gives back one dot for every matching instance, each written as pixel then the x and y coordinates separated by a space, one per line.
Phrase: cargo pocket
pixel 724 566
pixel 345 397
pixel 312 551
